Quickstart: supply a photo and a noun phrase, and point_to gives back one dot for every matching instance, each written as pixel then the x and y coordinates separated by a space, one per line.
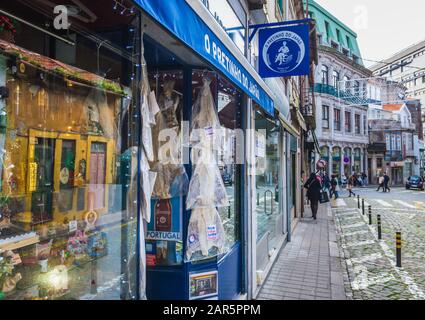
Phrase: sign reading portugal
pixel 284 51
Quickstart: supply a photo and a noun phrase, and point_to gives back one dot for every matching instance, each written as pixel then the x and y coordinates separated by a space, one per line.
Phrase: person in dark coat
pixel 313 186
pixel 386 182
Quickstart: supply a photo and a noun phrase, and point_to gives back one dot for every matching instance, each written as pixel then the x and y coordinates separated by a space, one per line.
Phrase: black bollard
pixel 370 214
pixel 362 206
pixel 398 248
pixel 378 217
pixel 258 199
pixel 358 201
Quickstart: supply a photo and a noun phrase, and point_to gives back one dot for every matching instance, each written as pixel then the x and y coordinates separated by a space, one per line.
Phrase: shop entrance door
pixel 67 175
pixel 97 174
pixel 41 199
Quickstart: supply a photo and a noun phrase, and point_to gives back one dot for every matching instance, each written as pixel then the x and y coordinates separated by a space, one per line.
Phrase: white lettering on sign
pixel 160 235
pixel 213 49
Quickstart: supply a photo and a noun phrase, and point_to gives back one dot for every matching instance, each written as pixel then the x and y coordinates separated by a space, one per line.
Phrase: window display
pixel 268 213
pixel 214 217
pixel 68 223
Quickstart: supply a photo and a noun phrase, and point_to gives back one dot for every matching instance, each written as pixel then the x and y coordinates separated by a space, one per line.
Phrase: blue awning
pixel 178 17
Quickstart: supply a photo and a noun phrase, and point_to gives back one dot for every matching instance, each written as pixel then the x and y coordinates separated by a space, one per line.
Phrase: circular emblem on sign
pixel 283 51
pixel 162 220
pixel 346 160
pixel 64 175
pixel 192 238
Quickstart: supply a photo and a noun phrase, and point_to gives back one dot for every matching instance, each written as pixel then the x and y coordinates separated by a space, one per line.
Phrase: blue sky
pixel 384 27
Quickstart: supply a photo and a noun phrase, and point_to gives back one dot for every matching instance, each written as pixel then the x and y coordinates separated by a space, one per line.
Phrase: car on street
pixel 415 182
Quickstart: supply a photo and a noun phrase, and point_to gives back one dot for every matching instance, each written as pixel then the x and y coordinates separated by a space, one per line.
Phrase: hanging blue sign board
pixel 183 22
pixel 284 51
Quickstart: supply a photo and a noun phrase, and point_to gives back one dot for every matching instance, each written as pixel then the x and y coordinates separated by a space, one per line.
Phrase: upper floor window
pixel 346 83
pixel 347 121
pixel 357 123
pixel 338 35
pixel 356 88
pixel 337 120
pixel 348 42
pixel 279 8
pixel 335 79
pixel 325 117
pixel 328 30
pixel 325 74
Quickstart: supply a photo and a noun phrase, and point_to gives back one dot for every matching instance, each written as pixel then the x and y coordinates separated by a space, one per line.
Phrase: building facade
pixel 408 68
pixel 341 96
pixel 394 147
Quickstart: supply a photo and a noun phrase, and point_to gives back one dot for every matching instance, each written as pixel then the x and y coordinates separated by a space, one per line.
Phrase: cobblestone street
pixel 371 271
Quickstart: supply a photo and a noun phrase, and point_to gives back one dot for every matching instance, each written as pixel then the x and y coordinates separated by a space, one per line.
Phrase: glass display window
pixel 215 118
pixel 268 175
pixel 68 223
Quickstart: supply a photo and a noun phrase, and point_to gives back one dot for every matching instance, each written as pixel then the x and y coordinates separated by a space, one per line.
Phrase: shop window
pixel 268 193
pixel 69 171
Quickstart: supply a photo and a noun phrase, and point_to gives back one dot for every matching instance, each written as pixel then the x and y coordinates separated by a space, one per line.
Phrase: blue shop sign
pixel 284 51
pixel 182 21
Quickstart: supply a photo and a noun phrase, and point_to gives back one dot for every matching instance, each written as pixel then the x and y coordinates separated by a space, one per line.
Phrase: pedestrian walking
pixel 314 187
pixel 327 184
pixel 381 183
pixel 350 186
pixel 335 187
pixel 386 182
pixel 364 178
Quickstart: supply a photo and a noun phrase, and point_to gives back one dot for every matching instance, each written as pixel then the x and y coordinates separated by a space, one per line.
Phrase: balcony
pixel 394 156
pixel 410 153
pixel 377 147
pixel 344 95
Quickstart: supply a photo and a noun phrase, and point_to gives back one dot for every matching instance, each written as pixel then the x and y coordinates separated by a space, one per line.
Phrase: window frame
pixel 337 119
pixel 325 116
pixel 357 123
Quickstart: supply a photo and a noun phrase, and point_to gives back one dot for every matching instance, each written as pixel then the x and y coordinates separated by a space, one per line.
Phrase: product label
pixel 212 232
pixel 73 225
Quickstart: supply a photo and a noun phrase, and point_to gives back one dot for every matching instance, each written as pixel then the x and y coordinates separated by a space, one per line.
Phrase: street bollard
pixel 370 214
pixel 378 217
pixel 258 199
pixel 362 206
pixel 358 201
pixel 398 248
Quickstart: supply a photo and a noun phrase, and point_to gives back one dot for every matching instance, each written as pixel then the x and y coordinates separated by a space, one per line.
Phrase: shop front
pixel 124 174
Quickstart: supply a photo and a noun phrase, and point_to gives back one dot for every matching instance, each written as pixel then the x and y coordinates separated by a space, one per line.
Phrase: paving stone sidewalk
pixel 308 267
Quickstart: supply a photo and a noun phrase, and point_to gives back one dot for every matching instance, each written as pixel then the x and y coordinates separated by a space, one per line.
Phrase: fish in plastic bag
pixel 205 122
pixel 205 232
pixel 206 188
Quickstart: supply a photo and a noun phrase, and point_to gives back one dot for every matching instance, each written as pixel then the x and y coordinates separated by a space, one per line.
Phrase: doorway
pixel 97 174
